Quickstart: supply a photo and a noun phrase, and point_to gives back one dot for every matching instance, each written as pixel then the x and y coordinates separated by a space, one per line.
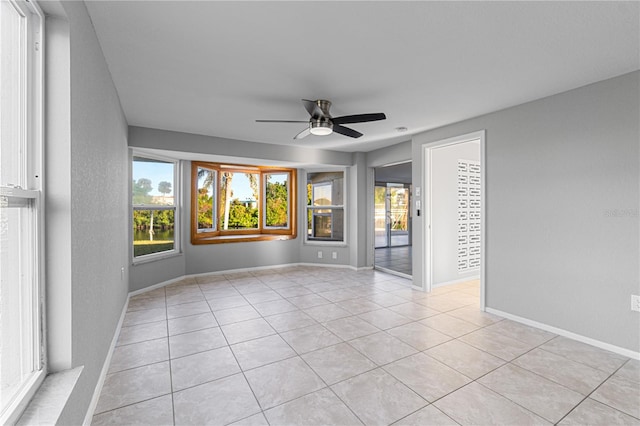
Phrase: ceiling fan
pixel 321 123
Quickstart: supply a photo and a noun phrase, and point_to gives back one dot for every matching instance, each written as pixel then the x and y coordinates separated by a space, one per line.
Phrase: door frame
pixel 427 180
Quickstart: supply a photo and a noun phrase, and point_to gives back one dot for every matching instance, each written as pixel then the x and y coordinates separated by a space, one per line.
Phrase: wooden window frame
pixel 262 232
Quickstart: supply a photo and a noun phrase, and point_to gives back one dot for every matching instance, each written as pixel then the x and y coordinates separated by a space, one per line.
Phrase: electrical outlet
pixel 319 254
pixel 635 302
pixel 122 274
pixel 334 255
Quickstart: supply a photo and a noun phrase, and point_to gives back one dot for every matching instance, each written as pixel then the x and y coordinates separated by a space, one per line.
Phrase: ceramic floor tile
pixel 283 381
pixel 359 306
pixel 384 318
pixel 465 359
pixel 586 354
pixel 187 309
pixel 293 291
pixel 256 287
pixel 309 339
pixel 219 402
pixel 258 352
pixel 339 295
pixel 386 299
pixel 242 313
pixel 142 332
pixel 449 325
pixel 247 330
pixel 414 311
pixel 157 411
pixel 255 420
pixel 429 415
pixel 621 394
pixel 574 375
pixel 290 321
pixel 219 304
pixel 139 354
pixel 219 293
pixel 176 299
pixel 524 333
pixel 135 385
pixel 263 296
pixel 475 316
pixel 202 367
pixel 476 405
pixel 274 307
pixel 630 371
pixel 591 412
pixel 543 397
pixel 319 408
pixel 308 301
pixel 419 336
pixel 382 348
pixel 143 317
pixel 350 328
pixel 427 377
pixel 191 323
pixel 326 313
pixel 141 304
pixel 338 362
pixel 196 341
pixel 377 398
pixel 497 344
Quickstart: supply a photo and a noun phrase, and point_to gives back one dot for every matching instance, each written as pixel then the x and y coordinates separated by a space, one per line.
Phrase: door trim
pixel 427 179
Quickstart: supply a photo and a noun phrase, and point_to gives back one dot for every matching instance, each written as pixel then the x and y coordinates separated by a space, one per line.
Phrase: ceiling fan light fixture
pixel 320 128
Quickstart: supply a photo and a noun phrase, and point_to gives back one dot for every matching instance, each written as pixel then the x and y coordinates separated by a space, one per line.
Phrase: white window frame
pixel 29 191
pixel 177 229
pixel 343 207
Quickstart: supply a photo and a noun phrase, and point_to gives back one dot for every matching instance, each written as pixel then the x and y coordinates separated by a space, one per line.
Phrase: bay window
pixel 232 203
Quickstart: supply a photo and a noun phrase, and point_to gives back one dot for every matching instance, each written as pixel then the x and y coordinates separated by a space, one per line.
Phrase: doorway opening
pixel 392 218
pixel 454 212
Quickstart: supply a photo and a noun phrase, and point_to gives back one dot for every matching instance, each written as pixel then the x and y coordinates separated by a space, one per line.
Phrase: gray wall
pixel 444 210
pixel 87 157
pixel 198 259
pixel 562 196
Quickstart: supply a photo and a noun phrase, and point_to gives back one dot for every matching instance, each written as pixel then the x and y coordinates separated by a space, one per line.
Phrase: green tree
pixel 141 189
pixel 164 188
pixel 277 204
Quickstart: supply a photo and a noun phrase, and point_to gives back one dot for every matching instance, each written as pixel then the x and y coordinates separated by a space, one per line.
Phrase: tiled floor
pixel 396 259
pixel 317 346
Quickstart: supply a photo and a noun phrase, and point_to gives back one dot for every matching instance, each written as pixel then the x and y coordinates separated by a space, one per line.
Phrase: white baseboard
pixel 105 367
pixel 458 281
pixel 568 334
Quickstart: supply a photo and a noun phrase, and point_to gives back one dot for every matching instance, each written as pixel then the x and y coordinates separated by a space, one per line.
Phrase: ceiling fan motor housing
pixel 320 126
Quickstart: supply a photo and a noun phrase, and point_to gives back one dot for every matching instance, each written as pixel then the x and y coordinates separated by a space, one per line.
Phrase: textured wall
pixel 99 212
pixel 562 196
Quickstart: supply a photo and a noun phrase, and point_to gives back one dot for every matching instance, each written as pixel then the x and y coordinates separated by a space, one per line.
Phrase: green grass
pixel 142 247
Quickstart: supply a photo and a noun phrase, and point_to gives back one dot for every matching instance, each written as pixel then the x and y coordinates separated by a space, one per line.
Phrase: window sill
pixel 325 243
pixel 155 257
pixel 49 401
pixel 243 238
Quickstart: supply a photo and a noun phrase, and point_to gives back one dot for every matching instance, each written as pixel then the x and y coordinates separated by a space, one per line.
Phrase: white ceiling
pixel 212 68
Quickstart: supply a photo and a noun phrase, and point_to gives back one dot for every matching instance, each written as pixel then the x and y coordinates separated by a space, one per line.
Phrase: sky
pixel 156 172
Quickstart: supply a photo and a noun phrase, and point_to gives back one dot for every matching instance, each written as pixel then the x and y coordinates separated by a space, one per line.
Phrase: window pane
pixel 326 188
pixel 152 182
pixel 17 296
pixel 206 199
pixel 238 200
pixel 153 231
pixel 325 224
pixel 277 199
pixel 12 105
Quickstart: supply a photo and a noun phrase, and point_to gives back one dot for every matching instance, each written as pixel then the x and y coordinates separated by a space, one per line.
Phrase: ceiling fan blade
pixel 303 134
pixel 358 118
pixel 346 131
pixel 313 108
pixel 281 121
